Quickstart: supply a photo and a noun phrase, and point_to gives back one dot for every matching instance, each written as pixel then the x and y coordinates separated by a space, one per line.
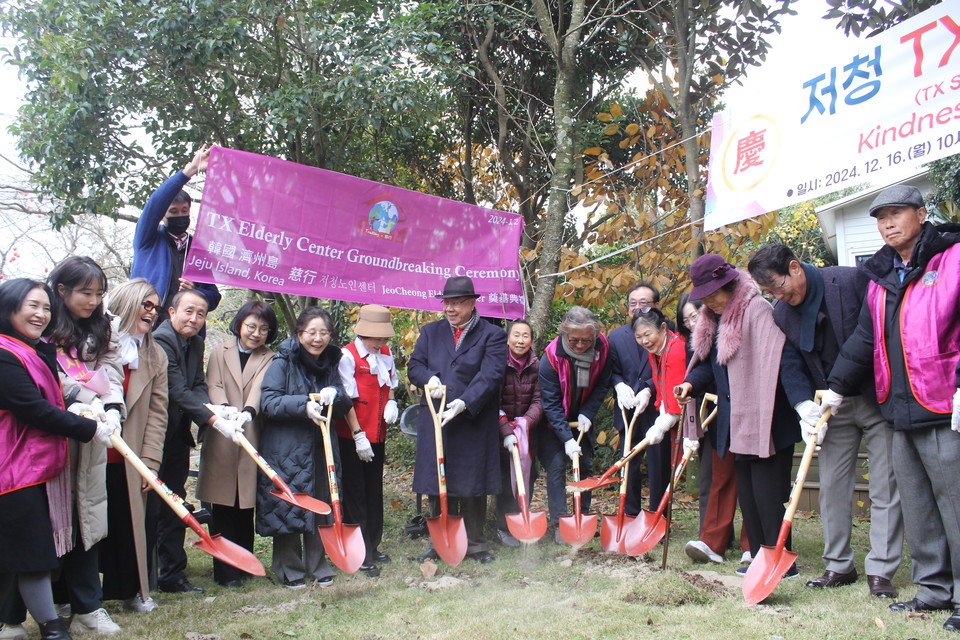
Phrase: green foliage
pixel 945 175
pixel 870 17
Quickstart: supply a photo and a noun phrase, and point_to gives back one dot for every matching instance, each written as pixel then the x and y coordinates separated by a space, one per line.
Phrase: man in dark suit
pixel 632 380
pixel 468 355
pixel 817 309
pixel 179 337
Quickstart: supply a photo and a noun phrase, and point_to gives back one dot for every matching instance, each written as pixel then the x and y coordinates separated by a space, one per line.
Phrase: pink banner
pixel 274 225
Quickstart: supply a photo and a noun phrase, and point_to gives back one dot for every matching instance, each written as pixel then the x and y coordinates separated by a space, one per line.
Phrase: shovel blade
pixel 646 531
pixel 613 532
pixel 578 530
pixel 303 501
pixel 230 552
pixel 344 544
pixel 528 527
pixel 765 572
pixel 589 484
pixel 449 537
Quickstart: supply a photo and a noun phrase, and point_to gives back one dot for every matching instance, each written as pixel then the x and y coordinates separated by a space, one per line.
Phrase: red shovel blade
pixel 449 537
pixel 344 544
pixel 647 530
pixel 231 553
pixel 589 484
pixel 613 532
pixel 765 572
pixel 527 526
pixel 303 501
pixel 578 529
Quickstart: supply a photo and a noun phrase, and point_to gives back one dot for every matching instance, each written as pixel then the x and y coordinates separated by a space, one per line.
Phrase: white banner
pixel 877 107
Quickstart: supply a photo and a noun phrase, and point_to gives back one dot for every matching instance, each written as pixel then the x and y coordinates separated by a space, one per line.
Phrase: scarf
pixel 464 330
pixel 130 350
pixel 517 364
pixel 381 364
pixel 581 361
pixel 810 307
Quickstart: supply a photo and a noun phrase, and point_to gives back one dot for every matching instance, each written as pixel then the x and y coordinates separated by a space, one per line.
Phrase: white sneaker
pixel 98 622
pixel 700 552
pixel 13 632
pixel 63 611
pixel 746 558
pixel 139 605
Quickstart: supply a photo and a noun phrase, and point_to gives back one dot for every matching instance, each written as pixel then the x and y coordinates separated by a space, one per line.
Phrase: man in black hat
pixel 468 356
pixel 908 337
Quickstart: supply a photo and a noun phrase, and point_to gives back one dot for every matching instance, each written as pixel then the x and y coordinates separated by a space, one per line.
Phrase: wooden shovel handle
pixel 328 452
pixel 249 448
pixel 436 413
pixel 704 418
pixel 804 467
pixel 172 499
pixel 521 488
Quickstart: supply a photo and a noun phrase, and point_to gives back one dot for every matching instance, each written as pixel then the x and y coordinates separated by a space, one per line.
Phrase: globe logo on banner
pixel 382 219
pixel 750 153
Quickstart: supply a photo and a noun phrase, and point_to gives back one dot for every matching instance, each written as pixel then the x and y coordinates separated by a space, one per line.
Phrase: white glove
pixel 831 399
pixel 583 423
pixel 691 445
pixel 955 418
pixel 643 400
pixel 453 409
pixel 313 411
pixel 223 410
pixel 510 442
pixel 244 418
pixel 229 429
pixel 328 395
pixel 364 450
pixel 79 408
pixel 661 426
pixel 571 448
pixel 390 411
pixel 434 381
pixel 626 399
pixel 809 413
pixel 104 431
pixel 113 418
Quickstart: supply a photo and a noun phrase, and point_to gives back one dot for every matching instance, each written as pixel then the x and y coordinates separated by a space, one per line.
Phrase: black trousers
pixel 763 486
pixel 118 554
pixel 659 466
pixel 474 512
pixel 362 493
pixel 234 524
pixel 170 529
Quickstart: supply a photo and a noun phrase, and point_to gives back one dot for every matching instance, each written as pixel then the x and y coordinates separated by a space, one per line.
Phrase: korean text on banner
pixel 880 105
pixel 274 225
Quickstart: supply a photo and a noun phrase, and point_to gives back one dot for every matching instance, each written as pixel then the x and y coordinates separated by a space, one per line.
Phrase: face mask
pixel 178 225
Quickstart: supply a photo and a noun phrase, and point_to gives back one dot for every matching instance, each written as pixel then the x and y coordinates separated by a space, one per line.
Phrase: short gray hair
pixel 579 318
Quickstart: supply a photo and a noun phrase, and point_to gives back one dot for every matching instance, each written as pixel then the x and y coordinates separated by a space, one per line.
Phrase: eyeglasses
pixel 148 305
pixel 581 340
pixel 256 329
pixel 779 288
pixel 691 318
pixel 313 333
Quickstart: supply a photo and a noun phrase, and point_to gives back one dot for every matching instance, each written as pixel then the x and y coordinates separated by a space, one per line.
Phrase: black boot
pixel 54 630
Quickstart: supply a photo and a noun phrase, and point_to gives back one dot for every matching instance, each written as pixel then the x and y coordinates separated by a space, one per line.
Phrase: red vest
pixel 370 401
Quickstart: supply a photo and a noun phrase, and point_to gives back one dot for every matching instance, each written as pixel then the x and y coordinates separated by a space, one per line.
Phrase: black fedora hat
pixel 458 287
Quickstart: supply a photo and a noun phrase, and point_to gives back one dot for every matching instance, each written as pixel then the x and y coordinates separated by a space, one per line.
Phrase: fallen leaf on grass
pixel 802 515
pixel 919 615
pixel 210 598
pixel 428 568
pixel 193 635
pixel 686 499
pixel 879 623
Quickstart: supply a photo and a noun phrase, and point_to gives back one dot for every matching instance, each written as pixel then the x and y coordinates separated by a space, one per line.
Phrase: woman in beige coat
pixel 123 556
pixel 228 476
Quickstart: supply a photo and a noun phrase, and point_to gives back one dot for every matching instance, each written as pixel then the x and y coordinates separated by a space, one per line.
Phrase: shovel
pixel 525 526
pixel 578 529
pixel 217 546
pixel 607 478
pixel 447 532
pixel 342 542
pixel 771 563
pixel 282 491
pixel 649 527
pixel 612 530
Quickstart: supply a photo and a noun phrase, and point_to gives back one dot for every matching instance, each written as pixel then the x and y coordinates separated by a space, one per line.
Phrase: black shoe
pixel 54 630
pixel 429 554
pixel 880 587
pixel 381 558
pixel 918 605
pixel 953 622
pixel 324 582
pixel 371 570
pixel 483 557
pixel 236 583
pixel 180 586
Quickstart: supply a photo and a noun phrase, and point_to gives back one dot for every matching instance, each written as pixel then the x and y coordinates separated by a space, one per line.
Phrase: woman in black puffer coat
pixel 293 445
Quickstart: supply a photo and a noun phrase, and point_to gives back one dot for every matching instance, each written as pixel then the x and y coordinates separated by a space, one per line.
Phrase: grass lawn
pixel 542 591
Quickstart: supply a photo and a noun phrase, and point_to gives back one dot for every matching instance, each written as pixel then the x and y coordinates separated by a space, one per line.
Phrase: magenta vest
pixel 29 455
pixel 562 367
pixel 929 330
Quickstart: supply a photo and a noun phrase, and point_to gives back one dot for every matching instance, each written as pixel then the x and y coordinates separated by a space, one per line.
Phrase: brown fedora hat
pixel 373 321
